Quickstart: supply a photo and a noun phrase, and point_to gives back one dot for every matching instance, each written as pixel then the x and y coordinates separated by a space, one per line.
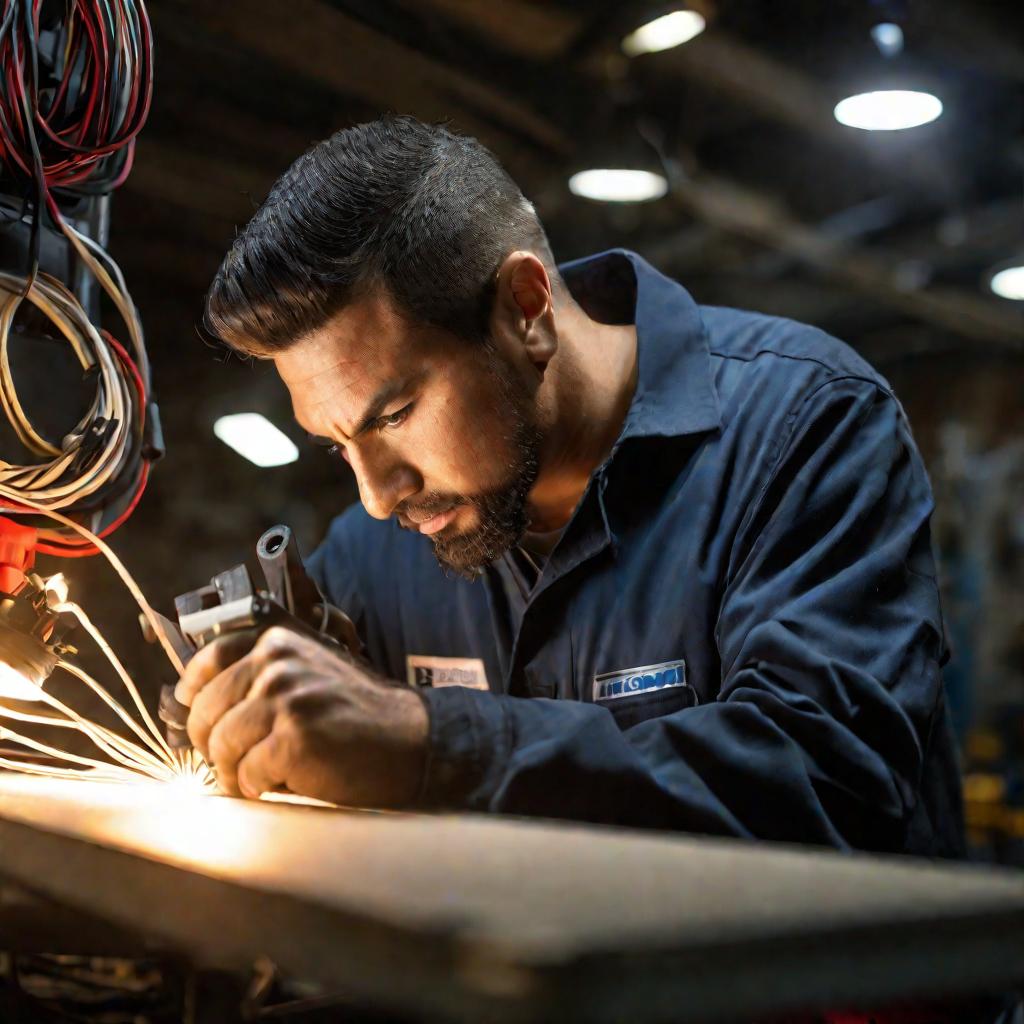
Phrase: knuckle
pixel 221 653
pixel 291 729
pixel 275 679
pixel 276 640
pixel 305 705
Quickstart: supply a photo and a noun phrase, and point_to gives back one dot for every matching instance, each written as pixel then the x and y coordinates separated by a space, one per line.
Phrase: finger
pixel 235 734
pixel 263 768
pixel 221 693
pixel 211 660
pixel 279 641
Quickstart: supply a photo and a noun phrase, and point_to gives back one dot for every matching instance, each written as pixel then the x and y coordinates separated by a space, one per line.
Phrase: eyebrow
pixel 387 394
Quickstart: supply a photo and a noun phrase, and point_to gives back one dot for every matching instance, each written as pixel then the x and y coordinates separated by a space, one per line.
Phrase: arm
pixel 829 636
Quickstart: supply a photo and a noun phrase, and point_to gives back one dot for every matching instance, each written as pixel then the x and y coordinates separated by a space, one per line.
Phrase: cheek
pixel 463 445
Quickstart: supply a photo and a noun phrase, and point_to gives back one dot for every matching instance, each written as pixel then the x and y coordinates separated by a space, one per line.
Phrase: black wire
pixel 127 91
pixel 8 17
pixel 27 101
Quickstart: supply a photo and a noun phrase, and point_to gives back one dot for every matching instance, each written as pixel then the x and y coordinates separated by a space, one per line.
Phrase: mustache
pixel 433 505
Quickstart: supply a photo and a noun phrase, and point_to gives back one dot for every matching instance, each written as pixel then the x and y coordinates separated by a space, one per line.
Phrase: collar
pixel 675 391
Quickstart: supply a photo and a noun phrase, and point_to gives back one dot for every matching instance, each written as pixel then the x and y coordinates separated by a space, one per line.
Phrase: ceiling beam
pixel 309 37
pixel 741 211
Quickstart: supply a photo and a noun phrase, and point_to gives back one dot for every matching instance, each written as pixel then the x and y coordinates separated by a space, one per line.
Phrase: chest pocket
pixel 638 695
pixel 640 707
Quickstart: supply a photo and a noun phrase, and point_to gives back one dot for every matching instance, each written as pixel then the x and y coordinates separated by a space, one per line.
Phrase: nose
pixel 383 485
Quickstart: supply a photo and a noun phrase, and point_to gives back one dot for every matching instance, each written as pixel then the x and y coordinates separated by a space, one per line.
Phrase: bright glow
pixel 14 686
pixel 255 438
pixel 663 33
pixel 888 38
pixel 187 785
pixel 618 185
pixel 1009 283
pixel 889 110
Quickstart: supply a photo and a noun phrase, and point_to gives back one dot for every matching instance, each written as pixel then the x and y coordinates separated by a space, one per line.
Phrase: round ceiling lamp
pixel 663 33
pixel 618 185
pixel 1008 282
pixel 888 110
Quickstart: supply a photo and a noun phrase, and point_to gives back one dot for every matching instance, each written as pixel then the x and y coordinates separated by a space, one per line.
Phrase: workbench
pixel 471 918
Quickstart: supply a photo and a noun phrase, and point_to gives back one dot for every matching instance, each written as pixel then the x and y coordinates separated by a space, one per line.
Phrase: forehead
pixel 362 348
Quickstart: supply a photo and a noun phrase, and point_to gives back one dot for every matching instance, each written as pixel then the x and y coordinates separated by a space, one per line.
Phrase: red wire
pixel 87 118
pixel 88 549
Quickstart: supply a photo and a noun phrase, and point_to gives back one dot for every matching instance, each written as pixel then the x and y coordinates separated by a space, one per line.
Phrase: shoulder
pixel 774 350
pixel 771 372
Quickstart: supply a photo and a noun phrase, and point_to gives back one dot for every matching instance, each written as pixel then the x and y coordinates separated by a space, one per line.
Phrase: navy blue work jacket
pixel 738 632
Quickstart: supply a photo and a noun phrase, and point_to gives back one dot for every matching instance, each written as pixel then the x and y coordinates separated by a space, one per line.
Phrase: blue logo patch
pixel 630 681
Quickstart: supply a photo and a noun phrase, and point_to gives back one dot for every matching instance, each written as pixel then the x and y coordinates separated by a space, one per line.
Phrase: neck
pixel 590 383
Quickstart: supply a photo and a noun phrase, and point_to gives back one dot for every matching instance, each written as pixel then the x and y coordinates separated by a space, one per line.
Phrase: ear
pixel 524 305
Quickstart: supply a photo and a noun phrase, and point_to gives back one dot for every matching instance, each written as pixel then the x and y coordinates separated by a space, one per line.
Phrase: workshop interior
pixel 855 165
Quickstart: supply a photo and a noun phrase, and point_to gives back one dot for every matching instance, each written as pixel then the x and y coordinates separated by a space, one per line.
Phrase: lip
pixel 437 523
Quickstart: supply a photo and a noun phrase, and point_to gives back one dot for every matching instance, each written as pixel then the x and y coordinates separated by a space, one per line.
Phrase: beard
pixel 501 511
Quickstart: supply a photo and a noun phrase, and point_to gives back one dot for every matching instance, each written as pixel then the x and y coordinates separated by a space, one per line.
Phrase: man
pixel 687 573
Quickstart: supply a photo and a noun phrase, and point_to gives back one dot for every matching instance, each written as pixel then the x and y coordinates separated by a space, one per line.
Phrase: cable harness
pixel 65 134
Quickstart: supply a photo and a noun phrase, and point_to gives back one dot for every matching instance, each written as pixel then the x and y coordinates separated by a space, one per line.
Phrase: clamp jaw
pixel 231 602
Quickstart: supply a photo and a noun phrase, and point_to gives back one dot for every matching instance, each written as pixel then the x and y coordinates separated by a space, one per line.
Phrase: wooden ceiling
pixel 865 231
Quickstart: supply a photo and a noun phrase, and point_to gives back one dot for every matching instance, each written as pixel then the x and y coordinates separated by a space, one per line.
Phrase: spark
pixel 145 759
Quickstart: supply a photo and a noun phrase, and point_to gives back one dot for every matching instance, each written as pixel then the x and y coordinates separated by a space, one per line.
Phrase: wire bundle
pixel 72 135
pixel 78 130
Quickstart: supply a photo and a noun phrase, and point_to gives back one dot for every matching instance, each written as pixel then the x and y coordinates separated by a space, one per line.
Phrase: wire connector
pixel 153 448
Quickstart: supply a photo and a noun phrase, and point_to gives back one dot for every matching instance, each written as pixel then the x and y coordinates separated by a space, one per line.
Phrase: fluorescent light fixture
pixel 663 33
pixel 888 110
pixel 255 438
pixel 618 185
pixel 14 686
pixel 1008 283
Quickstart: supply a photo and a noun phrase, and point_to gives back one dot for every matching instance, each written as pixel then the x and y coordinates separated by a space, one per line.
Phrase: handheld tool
pixel 231 602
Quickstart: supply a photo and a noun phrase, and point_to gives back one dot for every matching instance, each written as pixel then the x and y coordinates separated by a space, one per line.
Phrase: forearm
pixel 728 768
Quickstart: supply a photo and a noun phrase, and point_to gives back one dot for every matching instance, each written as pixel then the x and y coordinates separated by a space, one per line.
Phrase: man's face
pixel 441 433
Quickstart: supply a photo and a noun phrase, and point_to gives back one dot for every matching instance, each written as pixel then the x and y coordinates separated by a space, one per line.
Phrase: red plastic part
pixel 17 554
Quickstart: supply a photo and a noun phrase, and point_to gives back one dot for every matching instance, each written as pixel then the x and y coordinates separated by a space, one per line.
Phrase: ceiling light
pixel 1008 283
pixel 888 37
pixel 255 438
pixel 663 33
pixel 618 185
pixel 888 110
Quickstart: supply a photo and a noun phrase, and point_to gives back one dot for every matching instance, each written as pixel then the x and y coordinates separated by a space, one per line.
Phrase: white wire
pixel 53 483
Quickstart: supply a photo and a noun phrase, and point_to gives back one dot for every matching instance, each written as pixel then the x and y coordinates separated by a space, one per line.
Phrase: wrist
pixel 412 732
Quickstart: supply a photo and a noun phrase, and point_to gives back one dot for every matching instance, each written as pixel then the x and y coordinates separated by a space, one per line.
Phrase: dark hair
pixel 414 209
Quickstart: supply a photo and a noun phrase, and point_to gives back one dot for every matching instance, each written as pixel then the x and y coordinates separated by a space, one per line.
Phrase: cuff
pixel 468 743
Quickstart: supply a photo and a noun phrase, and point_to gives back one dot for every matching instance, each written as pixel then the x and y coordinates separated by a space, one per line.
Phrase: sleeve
pixel 830 640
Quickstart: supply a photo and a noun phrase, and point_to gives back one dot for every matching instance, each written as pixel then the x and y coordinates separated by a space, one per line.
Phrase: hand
pixel 279 709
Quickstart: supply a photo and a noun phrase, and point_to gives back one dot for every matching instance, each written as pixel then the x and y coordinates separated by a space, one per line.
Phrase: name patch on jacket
pixel 645 679
pixel 424 670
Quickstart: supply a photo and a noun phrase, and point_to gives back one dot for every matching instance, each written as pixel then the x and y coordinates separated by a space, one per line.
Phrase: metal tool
pixel 231 602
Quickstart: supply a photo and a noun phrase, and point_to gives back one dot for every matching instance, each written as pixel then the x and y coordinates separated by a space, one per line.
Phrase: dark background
pixel 883 239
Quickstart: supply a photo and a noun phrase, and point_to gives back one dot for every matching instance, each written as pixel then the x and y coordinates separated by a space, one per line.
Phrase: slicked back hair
pixel 415 210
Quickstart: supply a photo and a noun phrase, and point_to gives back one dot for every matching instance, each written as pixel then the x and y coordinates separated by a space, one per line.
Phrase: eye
pixel 394 419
